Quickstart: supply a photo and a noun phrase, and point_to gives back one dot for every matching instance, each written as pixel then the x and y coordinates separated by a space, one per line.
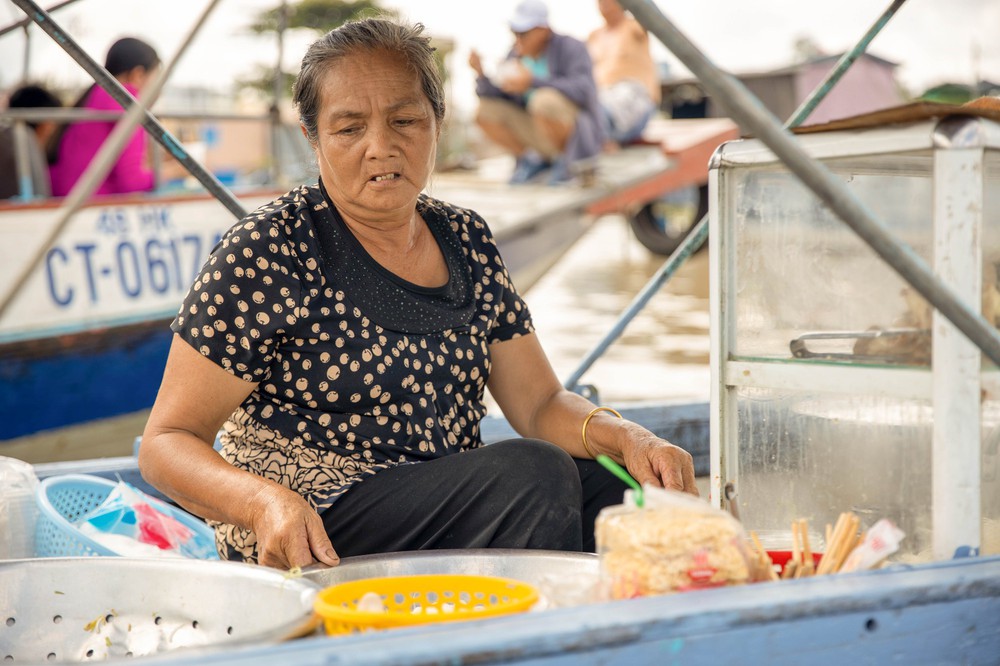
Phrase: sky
pixel 933 41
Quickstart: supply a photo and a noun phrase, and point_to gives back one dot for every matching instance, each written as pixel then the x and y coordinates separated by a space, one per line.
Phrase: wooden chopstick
pixel 808 567
pixel 841 539
pixel 763 559
pixel 845 538
pixel 833 545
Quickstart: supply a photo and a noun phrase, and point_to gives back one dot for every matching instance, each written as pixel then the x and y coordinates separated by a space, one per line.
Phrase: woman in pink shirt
pixel 133 62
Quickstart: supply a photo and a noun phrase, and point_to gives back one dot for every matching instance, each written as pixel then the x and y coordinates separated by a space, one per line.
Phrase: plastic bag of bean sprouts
pixel 674 542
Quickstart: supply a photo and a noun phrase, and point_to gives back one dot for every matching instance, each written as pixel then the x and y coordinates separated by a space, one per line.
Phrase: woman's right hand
pixel 289 531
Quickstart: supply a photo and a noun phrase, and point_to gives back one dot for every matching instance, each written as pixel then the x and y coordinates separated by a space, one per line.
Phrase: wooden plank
pixel 535 224
pixel 486 191
pixel 689 144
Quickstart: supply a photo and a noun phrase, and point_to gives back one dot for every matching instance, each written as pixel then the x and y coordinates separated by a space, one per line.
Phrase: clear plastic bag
pixel 18 512
pixel 128 523
pixel 881 541
pixel 674 543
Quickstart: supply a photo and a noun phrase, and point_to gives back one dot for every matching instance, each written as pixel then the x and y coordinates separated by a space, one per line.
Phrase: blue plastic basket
pixel 63 500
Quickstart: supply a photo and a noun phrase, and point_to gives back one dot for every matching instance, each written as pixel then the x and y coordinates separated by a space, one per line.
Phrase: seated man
pixel 542 105
pixel 627 83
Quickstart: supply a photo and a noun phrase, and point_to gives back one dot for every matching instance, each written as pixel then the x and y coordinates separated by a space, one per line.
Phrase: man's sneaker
pixel 560 174
pixel 527 167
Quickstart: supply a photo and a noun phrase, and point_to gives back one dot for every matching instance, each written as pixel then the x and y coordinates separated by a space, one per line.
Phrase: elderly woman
pixel 343 336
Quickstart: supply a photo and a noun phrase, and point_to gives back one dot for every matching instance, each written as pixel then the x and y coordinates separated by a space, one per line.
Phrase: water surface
pixel 662 354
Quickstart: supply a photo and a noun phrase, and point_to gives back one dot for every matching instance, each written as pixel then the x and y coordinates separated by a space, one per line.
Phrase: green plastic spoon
pixel 622 474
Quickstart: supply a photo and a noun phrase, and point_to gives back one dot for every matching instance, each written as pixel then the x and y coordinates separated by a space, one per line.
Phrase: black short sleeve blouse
pixel 357 370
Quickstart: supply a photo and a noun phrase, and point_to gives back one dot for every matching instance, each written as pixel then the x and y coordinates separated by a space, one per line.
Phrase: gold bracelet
pixel 586 422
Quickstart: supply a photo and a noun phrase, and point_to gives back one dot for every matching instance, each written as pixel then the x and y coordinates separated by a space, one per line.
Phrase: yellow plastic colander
pixel 425 599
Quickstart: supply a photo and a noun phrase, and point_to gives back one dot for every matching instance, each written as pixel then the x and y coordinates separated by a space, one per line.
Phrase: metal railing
pixel 19 118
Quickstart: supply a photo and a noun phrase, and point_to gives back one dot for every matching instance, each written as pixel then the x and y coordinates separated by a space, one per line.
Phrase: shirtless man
pixel 627 83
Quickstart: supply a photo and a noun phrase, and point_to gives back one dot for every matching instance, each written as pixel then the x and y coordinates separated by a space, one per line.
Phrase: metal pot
pixel 91 608
pixel 531 566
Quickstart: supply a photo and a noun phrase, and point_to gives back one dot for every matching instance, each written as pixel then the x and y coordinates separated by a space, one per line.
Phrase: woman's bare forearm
pixel 192 473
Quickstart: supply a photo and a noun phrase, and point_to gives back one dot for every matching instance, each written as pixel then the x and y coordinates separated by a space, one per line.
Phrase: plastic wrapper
pixel 570 589
pixel 18 512
pixel 881 541
pixel 674 543
pixel 129 524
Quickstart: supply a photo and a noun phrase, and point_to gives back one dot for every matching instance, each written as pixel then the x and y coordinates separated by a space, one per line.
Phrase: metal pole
pixel 696 237
pixel 122 96
pixel 694 240
pixel 278 91
pixel 22 135
pixel 105 158
pixel 826 85
pixel 25 22
pixel 26 67
pixel 747 110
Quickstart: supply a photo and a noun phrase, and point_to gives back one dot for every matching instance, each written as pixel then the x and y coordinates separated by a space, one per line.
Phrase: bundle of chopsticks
pixel 841 539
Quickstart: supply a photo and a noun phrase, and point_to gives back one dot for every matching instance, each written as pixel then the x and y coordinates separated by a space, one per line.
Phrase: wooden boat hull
pixel 73 378
pixel 86 336
pixel 938 613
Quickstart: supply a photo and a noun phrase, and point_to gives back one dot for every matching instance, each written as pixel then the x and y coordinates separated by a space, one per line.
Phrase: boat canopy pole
pixel 809 105
pixel 122 96
pixel 102 162
pixel 278 89
pixel 699 233
pixel 25 22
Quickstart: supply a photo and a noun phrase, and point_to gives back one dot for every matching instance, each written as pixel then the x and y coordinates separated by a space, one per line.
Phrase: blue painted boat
pixel 939 613
pixel 92 318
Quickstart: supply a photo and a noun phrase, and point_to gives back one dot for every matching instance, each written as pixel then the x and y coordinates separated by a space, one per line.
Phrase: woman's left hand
pixel 536 405
pixel 657 462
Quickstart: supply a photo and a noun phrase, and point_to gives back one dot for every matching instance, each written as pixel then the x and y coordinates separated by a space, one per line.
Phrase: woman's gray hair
pixel 366 36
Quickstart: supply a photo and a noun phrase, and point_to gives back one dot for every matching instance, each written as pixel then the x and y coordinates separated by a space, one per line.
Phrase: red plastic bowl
pixel 781 557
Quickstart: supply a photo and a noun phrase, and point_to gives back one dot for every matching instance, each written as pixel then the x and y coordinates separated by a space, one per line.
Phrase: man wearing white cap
pixel 542 105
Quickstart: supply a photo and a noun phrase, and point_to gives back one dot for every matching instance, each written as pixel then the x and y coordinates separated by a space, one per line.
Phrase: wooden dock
pixel 535 224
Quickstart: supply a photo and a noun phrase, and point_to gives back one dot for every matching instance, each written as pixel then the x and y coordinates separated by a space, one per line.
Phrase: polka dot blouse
pixel 357 370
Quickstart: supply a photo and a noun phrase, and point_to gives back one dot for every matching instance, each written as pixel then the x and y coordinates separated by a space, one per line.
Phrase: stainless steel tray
pixel 95 608
pixel 530 566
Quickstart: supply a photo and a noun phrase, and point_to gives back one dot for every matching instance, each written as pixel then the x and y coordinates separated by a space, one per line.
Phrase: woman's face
pixel 376 137
pixel 139 77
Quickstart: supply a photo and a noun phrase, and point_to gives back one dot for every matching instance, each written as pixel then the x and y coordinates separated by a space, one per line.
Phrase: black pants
pixel 519 493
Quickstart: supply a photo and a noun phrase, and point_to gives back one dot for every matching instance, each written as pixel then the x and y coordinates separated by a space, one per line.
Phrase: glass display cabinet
pixel 835 386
